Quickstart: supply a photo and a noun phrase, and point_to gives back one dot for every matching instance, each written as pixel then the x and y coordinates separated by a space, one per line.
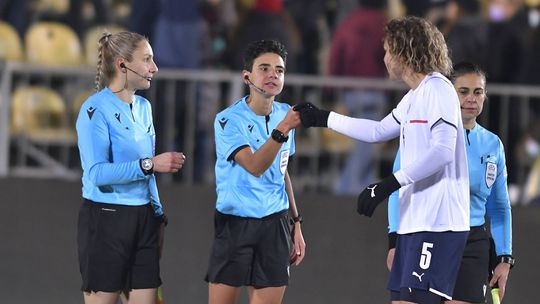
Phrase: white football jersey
pixel 439 202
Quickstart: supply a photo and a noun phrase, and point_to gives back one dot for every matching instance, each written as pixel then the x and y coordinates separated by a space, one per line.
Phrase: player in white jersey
pixel 433 181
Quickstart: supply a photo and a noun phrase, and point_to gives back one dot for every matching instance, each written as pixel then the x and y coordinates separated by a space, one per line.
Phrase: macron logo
pixel 90 111
pixel 372 190
pixel 419 276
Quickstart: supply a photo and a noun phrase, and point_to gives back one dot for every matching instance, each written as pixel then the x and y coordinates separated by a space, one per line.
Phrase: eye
pixel 264 68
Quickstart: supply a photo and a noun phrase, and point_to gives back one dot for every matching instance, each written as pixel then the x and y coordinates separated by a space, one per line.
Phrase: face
pixel 144 65
pixel 268 73
pixel 394 68
pixel 471 89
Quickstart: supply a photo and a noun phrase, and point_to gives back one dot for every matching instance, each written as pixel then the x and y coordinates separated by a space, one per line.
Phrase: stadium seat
pixel 51 6
pixel 52 43
pixel 91 39
pixel 77 102
pixel 39 114
pixel 10 43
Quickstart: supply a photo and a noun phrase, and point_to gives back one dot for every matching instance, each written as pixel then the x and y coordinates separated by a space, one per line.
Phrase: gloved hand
pixel 311 116
pixel 374 194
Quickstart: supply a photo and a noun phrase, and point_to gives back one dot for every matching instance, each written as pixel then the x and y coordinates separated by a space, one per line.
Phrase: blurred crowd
pixel 323 37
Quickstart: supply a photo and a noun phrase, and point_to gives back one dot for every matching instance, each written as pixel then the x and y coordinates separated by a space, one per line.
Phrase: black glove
pixel 374 194
pixel 311 116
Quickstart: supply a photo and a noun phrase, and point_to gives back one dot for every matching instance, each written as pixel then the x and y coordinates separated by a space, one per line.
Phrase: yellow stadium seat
pixel 77 102
pixel 54 6
pixel 39 114
pixel 10 43
pixel 52 43
pixel 91 39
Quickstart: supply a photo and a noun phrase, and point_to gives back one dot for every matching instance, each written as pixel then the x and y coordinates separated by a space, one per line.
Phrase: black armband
pixel 163 219
pixel 392 238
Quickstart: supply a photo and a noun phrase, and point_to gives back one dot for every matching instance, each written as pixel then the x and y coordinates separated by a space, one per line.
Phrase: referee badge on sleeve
pixel 491 173
pixel 283 161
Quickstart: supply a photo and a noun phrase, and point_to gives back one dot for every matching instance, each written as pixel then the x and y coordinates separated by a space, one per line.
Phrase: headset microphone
pixel 122 65
pixel 246 77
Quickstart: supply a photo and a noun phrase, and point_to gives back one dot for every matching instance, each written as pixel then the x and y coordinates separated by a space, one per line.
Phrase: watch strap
pixel 279 136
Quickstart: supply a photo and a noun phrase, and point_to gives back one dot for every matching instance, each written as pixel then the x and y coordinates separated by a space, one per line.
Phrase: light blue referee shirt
pixel 240 193
pixel 112 137
pixel 488 187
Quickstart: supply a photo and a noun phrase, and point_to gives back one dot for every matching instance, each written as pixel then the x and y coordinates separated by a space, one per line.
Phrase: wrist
pixel 279 136
pixel 146 165
pixel 392 238
pixel 508 259
pixel 297 219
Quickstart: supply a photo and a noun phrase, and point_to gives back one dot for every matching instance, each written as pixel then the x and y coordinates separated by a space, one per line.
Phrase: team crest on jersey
pixel 283 161
pixel 491 173
pixel 222 122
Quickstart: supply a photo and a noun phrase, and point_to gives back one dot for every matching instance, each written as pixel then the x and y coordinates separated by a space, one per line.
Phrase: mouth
pixel 271 84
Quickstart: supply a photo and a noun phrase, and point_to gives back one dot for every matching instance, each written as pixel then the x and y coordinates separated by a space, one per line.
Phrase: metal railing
pixel 186 101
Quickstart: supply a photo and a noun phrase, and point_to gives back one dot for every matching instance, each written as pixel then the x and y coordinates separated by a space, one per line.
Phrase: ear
pixel 245 76
pixel 120 64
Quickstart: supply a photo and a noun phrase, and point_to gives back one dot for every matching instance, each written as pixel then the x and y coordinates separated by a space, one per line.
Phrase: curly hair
pixel 110 46
pixel 418 44
pixel 257 48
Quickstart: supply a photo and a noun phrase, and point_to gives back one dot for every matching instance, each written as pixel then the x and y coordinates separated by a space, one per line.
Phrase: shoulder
pixel 282 106
pixel 489 136
pixel 438 81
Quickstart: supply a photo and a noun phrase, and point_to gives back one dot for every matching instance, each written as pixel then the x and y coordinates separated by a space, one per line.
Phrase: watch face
pixel 147 164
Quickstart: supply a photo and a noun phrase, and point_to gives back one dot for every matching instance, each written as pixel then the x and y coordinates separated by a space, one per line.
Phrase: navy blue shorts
pixel 427 261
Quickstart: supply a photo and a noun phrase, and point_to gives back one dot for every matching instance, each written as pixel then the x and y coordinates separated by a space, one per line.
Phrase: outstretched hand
pixel 311 116
pixel 374 194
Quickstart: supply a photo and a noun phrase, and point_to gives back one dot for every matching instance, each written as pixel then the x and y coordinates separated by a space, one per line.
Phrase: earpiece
pixel 246 77
pixel 122 65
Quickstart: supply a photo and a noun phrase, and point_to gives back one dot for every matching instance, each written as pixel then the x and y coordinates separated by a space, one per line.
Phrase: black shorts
pixel 471 284
pixel 250 251
pixel 118 247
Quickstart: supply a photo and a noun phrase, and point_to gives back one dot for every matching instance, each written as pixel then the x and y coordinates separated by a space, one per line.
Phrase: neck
pixel 413 79
pixel 119 89
pixel 259 104
pixel 469 124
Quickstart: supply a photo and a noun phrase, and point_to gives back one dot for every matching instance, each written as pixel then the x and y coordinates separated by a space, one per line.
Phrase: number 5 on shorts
pixel 425 257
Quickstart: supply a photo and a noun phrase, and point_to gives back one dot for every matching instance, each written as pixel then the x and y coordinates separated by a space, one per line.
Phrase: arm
pixel 256 163
pixel 94 146
pixel 438 155
pixel 393 216
pixel 441 153
pixel 364 129
pixel 500 216
pixel 299 245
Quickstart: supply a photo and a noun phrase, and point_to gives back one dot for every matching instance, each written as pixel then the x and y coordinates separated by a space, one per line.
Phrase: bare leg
pixel 143 296
pixel 222 294
pixel 100 297
pixel 267 295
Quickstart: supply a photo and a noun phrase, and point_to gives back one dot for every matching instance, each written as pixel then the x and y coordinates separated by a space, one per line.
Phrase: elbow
pixel 256 173
pixel 93 176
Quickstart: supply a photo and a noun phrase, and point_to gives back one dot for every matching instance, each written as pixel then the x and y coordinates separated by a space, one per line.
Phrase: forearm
pixel 102 174
pixel 364 129
pixel 436 157
pixel 293 210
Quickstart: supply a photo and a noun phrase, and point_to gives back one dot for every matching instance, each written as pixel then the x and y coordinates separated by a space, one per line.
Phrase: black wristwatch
pixel 279 136
pixel 297 219
pixel 147 166
pixel 506 258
